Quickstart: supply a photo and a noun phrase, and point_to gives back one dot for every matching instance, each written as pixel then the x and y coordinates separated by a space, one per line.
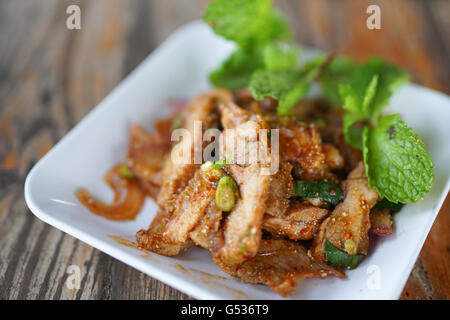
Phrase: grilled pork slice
pixel 205 233
pixel 280 264
pixel 232 115
pixel 153 239
pixel 348 225
pixel 333 157
pixel 381 222
pixel 281 189
pixel 191 206
pixel 246 144
pixel 242 229
pixel 300 223
pixel 146 155
pixel 301 143
pixel 176 176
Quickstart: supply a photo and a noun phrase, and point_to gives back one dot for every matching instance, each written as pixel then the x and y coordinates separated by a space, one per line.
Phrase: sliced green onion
pixel 208 165
pixel 125 172
pixel 219 164
pixel 226 193
pixel 340 258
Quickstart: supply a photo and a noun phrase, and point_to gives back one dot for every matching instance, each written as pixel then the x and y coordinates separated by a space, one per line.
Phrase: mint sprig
pixel 338 72
pixel 246 22
pixel 390 78
pixel 358 109
pixel 395 159
pixel 252 25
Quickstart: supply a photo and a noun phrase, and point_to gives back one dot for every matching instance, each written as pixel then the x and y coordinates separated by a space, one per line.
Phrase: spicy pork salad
pixel 277 183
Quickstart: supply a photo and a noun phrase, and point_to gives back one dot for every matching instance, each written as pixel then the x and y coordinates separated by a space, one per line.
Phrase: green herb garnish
pixel 281 56
pixel 340 258
pixel 338 72
pixel 219 164
pixel 396 161
pixel 236 71
pixel 251 24
pixel 325 191
pixel 125 172
pixel 286 86
pixel 386 204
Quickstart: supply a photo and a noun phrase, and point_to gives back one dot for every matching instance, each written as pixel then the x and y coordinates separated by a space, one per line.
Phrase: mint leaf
pixel 312 68
pixel 350 100
pixel 282 85
pixel 396 161
pixel 236 71
pixel 274 84
pixel 280 56
pixel 275 28
pixel 357 110
pixel 292 96
pixel 369 94
pixel 246 22
pixel 237 20
pixel 252 24
pixel 286 86
pixel 343 71
pixel 352 133
pixel 390 78
pixel 338 72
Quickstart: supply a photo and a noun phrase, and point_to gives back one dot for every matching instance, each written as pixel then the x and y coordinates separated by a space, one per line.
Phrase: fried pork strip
pixel 191 206
pixel 176 176
pixel 205 233
pixel 301 222
pixel 232 115
pixel 146 155
pixel 281 190
pixel 153 239
pixel 350 219
pixel 302 144
pixel 333 157
pixel 242 228
pixel 280 264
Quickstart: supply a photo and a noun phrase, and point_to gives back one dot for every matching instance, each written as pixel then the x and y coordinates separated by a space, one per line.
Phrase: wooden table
pixel 51 77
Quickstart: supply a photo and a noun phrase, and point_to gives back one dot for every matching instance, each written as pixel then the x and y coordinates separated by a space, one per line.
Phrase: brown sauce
pixel 128 198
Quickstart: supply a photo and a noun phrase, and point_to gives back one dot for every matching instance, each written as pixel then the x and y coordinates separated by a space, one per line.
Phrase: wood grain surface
pixel 51 77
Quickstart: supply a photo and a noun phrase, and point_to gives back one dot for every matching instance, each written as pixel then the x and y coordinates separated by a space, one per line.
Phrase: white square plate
pixel 179 69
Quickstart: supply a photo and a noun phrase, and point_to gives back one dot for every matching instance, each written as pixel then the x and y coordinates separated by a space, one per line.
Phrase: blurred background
pixel 51 77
